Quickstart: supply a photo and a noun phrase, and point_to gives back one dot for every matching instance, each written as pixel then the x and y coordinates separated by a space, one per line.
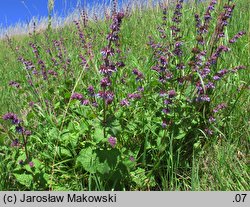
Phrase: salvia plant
pixel 95 119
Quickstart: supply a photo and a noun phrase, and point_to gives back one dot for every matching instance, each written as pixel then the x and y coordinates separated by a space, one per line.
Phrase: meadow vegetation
pixel 146 98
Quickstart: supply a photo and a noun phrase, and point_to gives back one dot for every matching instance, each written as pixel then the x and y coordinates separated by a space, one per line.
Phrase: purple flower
pixel 15 143
pixel 85 102
pixel 171 93
pixel 11 116
pixel 14 84
pixel 219 107
pixel 163 61
pixel 199 87
pixel 211 119
pixel 31 104
pixel 209 131
pixel 222 48
pixel 91 90
pixel 216 77
pixel 207 16
pixel 205 72
pixel 120 64
pixel 52 72
pixel 134 96
pixel 19 129
pixel 27 132
pixel 237 36
pixel 124 102
pixel 112 141
pixel 131 158
pixel 31 164
pixel 169 75
pixel 107 51
pixel 163 93
pixel 77 96
pixel 168 101
pixel 166 111
pixel 210 85
pixel 164 124
pixel 204 98
pixel 107 70
pixel 138 74
pixel 220 74
pixel 95 104
pixel 140 89
pixel 108 96
pixel 180 66
pixel 223 72
pixel 237 68
pixel 105 82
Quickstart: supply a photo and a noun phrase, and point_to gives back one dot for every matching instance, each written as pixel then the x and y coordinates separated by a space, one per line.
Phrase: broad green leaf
pixel 24 179
pixel 63 152
pixel 87 159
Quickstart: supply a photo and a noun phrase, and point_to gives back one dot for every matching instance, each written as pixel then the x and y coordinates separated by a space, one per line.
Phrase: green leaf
pixel 98 135
pixel 24 179
pixel 181 134
pixel 98 160
pixel 87 159
pixel 108 160
pixel 65 153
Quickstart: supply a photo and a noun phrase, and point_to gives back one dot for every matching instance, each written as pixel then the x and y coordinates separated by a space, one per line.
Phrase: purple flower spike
pixel 13 117
pixel 237 36
pixel 203 98
pixel 219 107
pixel 112 141
pixel 134 96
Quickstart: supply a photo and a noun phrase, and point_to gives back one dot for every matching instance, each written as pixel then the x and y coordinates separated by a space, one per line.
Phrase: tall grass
pixel 122 103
